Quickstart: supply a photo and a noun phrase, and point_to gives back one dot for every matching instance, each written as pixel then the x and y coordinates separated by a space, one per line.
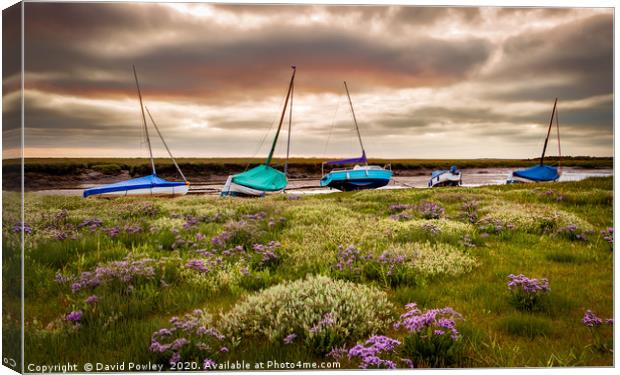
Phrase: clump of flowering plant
pixel 608 235
pixel 401 216
pixel 265 256
pixel 432 337
pixel 390 267
pixel 369 352
pixel 190 338
pixel 318 310
pixel 430 210
pixel 323 336
pixel 470 211
pixel 527 293
pixel 19 226
pixel 399 207
pixel 91 224
pixel 573 233
pixel 595 324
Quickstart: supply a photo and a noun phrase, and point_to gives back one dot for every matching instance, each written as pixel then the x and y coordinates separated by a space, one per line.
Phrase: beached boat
pixel 540 172
pixel 451 177
pixel 360 176
pixel 262 179
pixel 151 185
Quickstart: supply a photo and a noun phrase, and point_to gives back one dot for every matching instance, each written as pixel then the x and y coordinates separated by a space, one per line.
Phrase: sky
pixel 425 82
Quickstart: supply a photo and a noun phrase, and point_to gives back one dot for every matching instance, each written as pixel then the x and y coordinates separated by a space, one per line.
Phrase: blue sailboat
pixel 540 172
pixel 151 185
pixel 358 177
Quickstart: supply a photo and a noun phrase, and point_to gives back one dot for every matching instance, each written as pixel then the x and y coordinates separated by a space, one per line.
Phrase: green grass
pixel 310 231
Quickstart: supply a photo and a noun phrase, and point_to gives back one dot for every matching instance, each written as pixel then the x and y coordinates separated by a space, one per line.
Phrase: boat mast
pixel 146 130
pixel 359 136
pixel 165 144
pixel 290 121
pixel 288 94
pixel 548 131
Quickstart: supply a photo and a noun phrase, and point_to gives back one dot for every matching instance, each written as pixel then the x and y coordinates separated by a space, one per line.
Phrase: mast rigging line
pixel 359 136
pixel 262 142
pixel 288 94
pixel 146 130
pixel 557 123
pixel 165 144
pixel 288 133
pixel 331 129
pixel 542 157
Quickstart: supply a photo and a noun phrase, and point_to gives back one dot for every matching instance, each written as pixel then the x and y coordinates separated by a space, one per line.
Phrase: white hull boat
pixel 233 189
pixel 452 177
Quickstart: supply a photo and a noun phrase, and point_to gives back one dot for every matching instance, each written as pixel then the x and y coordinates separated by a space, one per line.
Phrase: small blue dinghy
pixel 541 172
pixel 360 176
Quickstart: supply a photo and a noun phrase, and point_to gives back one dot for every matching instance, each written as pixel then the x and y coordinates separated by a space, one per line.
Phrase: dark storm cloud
pixel 593 119
pixel 220 71
pixel 257 61
pixel 581 52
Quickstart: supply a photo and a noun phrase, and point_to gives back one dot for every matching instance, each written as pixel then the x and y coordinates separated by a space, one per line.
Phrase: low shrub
pixel 324 312
pixel 432 337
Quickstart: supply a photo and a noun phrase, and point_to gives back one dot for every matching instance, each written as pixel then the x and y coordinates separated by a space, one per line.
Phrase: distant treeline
pixel 297 166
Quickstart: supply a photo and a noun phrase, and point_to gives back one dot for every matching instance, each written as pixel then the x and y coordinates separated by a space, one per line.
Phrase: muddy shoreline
pixel 213 183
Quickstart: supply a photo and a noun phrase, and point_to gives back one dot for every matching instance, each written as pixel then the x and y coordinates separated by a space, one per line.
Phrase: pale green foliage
pixel 435 259
pixel 297 306
pixel 532 217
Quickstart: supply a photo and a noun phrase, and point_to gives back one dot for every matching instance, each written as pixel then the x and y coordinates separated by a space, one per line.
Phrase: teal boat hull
pixel 357 179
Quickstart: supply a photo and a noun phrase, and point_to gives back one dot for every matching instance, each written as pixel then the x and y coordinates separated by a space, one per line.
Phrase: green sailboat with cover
pixel 263 178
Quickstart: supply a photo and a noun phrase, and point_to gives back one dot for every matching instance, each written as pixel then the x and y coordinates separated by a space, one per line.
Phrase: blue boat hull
pixel 538 173
pixel 349 180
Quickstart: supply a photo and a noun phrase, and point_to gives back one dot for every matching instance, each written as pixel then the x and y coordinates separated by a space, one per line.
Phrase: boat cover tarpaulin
pixel 538 173
pixel 262 177
pixel 361 159
pixel 146 182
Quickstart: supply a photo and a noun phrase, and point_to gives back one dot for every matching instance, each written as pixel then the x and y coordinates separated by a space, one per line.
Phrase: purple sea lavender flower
pixel 92 224
pixel 223 349
pixel 113 232
pixel 19 226
pixel 591 320
pixel 179 343
pixel 190 221
pixel 289 339
pixel 220 239
pixel 608 235
pixel 197 265
pixel 338 353
pixel 75 287
pixel 431 228
pixel 398 207
pixel 408 363
pixel 430 210
pixel 92 299
pixel 74 316
pixel 527 285
pixel 132 228
pixel 175 358
pixel 415 320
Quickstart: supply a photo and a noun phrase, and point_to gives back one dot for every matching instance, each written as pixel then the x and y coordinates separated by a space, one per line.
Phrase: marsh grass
pixel 525 325
pixel 494 333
